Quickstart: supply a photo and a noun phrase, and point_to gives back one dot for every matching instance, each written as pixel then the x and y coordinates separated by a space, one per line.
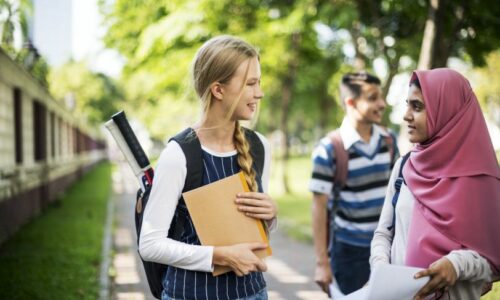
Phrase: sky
pixel 73 28
pixel 87 34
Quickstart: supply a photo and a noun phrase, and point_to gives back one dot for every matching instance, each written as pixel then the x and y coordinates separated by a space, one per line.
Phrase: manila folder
pixel 217 220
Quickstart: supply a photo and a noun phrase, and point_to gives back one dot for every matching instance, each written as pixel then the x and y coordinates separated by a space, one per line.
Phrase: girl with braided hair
pixel 226 74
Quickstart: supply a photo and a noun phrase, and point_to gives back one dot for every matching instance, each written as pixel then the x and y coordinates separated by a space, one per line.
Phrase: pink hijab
pixel 454 176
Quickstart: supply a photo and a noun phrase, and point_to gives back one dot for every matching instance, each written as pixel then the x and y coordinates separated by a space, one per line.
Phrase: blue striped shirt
pixel 185 284
pixel 362 198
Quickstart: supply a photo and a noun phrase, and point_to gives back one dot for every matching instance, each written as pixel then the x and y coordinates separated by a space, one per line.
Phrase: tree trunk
pixel 393 65
pixel 360 59
pixel 285 107
pixel 430 39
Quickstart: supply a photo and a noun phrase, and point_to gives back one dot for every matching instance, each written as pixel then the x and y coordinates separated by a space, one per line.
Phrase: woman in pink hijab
pixel 447 214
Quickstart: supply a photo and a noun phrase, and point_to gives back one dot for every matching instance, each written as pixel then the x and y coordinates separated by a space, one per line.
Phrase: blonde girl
pixel 226 75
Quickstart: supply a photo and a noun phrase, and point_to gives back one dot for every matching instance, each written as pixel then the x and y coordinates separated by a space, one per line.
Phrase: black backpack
pixel 191 147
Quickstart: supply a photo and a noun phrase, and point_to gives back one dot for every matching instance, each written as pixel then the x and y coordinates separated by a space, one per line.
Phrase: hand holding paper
pixel 443 276
pixel 390 282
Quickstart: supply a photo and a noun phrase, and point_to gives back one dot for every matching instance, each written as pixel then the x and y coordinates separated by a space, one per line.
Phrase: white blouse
pixel 389 247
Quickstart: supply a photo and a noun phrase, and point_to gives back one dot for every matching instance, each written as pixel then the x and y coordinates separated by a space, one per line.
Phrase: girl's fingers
pixel 254 209
pixel 252 202
pixel 260 216
pixel 252 195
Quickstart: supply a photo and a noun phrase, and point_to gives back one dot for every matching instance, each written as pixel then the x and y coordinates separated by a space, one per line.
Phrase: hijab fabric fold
pixel 454 176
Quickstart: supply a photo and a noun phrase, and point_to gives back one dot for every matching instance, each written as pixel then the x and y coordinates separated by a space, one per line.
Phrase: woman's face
pixel 416 116
pixel 251 93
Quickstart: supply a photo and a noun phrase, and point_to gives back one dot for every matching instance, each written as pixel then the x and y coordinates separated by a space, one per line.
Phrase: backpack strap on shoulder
pixel 190 145
pixel 397 186
pixel 256 150
pixel 391 145
pixel 341 160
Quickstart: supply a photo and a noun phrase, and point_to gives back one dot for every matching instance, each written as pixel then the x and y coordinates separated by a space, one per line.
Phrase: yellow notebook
pixel 217 220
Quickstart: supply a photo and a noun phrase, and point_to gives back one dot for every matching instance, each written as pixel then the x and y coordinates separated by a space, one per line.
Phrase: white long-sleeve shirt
pixel 387 246
pixel 170 175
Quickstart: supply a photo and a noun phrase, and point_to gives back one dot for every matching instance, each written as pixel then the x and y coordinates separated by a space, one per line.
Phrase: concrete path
pixel 290 269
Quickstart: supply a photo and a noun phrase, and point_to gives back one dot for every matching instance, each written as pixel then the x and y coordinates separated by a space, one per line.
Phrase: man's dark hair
pixel 351 84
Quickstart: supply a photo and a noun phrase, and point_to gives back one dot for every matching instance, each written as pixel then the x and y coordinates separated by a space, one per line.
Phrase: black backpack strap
pixel 256 150
pixel 397 186
pixel 191 147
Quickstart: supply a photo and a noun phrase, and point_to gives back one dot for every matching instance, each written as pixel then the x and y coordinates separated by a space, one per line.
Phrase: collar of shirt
pixel 350 136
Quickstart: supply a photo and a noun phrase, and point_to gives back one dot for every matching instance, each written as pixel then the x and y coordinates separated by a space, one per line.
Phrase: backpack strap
pixel 191 147
pixel 397 186
pixel 341 159
pixel 256 150
pixel 391 144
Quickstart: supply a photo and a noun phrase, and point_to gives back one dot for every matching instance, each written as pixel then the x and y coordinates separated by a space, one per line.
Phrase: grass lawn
pixel 58 255
pixel 295 208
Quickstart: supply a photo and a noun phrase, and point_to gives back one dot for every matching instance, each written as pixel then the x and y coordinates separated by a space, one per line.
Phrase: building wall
pixel 42 161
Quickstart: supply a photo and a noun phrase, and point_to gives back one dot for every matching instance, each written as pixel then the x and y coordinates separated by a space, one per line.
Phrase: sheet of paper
pixel 217 220
pixel 390 282
pixel 335 292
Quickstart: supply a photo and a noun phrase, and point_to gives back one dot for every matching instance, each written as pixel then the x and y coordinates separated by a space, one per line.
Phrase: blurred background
pixel 67 65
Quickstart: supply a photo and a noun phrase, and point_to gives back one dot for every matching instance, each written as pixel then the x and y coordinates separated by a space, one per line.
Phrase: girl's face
pixel 416 116
pixel 251 92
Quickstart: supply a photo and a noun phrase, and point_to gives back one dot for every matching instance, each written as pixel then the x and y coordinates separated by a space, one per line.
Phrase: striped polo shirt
pixel 185 284
pixel 362 198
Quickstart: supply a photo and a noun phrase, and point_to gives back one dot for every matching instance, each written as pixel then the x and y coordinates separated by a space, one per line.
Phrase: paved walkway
pixel 290 269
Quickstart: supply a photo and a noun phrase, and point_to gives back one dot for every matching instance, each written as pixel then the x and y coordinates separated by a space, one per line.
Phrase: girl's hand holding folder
pixel 257 205
pixel 240 258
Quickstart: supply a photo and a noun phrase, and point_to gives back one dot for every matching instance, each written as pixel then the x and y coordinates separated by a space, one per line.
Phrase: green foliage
pixel 488 89
pixel 58 255
pixel 96 96
pixel 159 39
pixel 15 14
pixel 169 35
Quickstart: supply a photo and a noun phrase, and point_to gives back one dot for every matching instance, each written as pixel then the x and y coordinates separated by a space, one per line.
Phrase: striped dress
pixel 362 197
pixel 185 284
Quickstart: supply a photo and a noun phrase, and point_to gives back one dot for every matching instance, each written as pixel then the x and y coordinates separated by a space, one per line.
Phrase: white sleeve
pixel 469 265
pixel 382 239
pixel 273 223
pixel 170 175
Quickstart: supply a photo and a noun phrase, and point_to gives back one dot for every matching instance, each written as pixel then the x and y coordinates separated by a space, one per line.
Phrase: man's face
pixel 369 106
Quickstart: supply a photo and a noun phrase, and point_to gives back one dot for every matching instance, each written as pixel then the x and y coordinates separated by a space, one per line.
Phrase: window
pixel 18 126
pixel 39 131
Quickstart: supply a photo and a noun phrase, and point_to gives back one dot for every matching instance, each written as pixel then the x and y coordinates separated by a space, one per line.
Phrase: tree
pixel 14 16
pixel 466 29
pixel 96 95
pixel 487 87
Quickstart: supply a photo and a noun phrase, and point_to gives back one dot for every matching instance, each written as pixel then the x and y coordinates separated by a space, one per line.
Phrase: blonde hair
pixel 217 61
